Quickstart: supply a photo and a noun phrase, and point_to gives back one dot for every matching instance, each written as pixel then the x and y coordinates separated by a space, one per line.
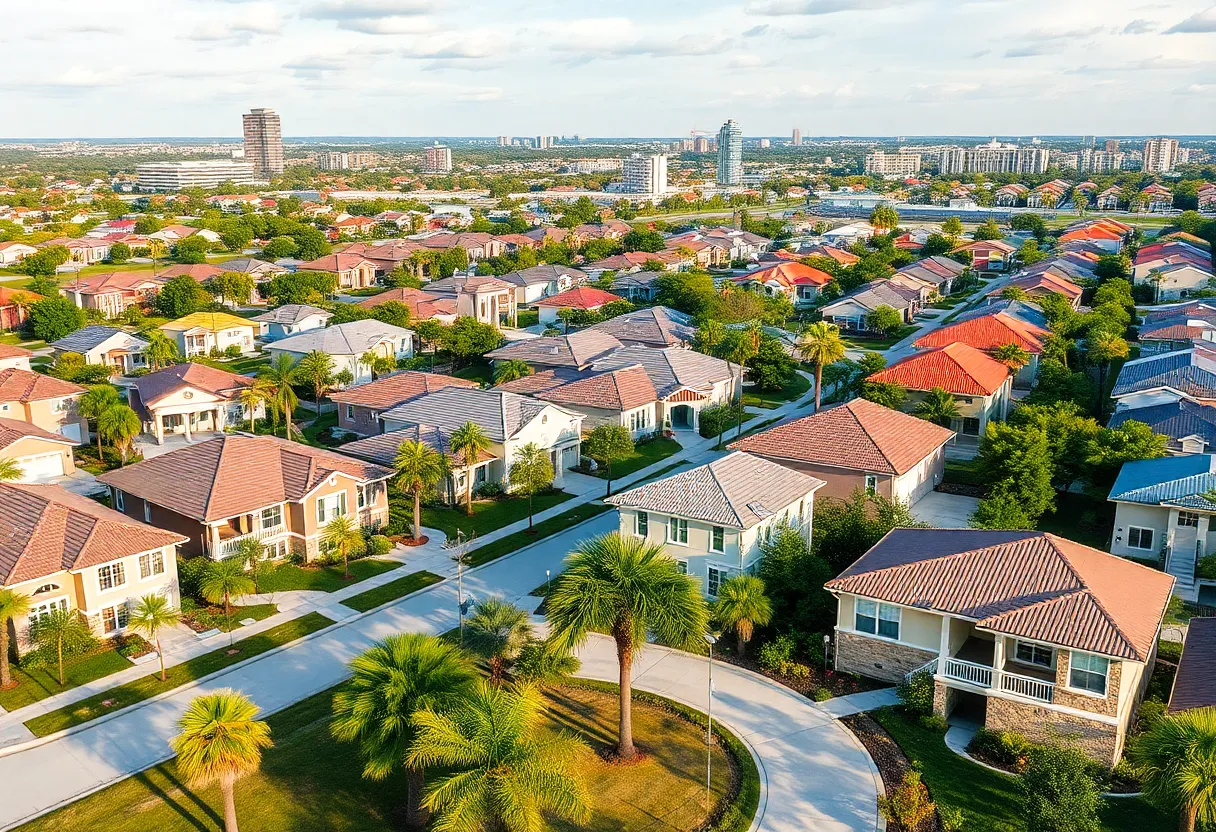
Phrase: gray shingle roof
pixel 83 340
pixel 292 313
pixel 382 449
pixel 1191 372
pixel 544 273
pixel 656 326
pixel 354 338
pixel 1195 682
pixel 1174 420
pixel 575 350
pixel 501 415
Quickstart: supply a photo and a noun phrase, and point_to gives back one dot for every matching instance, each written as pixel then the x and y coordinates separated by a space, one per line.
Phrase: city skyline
pixel 830 67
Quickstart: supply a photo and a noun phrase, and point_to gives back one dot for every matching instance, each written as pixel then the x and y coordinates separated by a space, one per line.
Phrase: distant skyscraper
pixel 504 141
pixel 1112 145
pixel 263 141
pixel 879 163
pixel 797 138
pixel 1160 155
pixel 994 157
pixel 730 154
pixel 700 145
pixel 644 174
pixel 766 143
pixel 543 142
pixel 438 159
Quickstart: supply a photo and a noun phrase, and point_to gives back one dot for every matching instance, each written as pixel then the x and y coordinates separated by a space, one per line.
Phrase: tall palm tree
pixel 10 469
pixel 938 407
pixel 316 368
pixel 94 402
pixel 278 377
pixel 821 345
pixel 13 605
pixel 1177 763
pixel 419 469
pixel 742 606
pixel 220 742
pixel 224 580
pixel 152 614
pixel 119 424
pixel 468 442
pixel 511 370
pixel 392 681
pixel 1012 356
pixel 343 534
pixel 1102 348
pixel 251 397
pixel 61 629
pixel 629 588
pixel 507 774
pixel 161 349
pixel 497 632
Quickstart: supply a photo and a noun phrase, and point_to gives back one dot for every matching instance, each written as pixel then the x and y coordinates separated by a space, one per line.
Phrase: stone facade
pixel 945 698
pixel 877 658
pixel 1102 742
pixel 1065 698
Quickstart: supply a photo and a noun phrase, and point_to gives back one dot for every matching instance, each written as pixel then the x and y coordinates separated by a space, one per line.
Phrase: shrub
pixel 716 418
pixel 232 351
pixel 952 819
pixel 916 693
pixel 379 545
pixel 795 670
pixel 1169 651
pixel 907 805
pixel 773 654
pixel 1002 748
pixel 189 575
pixel 1206 568
pixel 132 645
pixel 489 490
pixel 1151 712
pixel 821 695
pixel 1060 794
pixel 935 723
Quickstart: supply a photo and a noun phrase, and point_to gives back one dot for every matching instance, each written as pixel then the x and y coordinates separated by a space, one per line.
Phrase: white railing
pixel 1027 686
pixel 929 666
pixel 228 547
pixel 975 674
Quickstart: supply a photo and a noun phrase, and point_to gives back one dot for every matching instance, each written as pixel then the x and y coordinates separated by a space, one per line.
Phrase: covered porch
pixel 267 526
pixel 208 418
pixel 987 662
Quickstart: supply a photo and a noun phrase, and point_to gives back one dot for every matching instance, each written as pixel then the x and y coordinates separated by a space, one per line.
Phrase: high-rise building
pixel 796 139
pixel 543 142
pixel 1090 160
pixel 700 145
pixel 263 141
pixel 504 141
pixel 644 174
pixel 343 160
pixel 438 159
pixel 765 143
pixel 1112 145
pixel 1160 155
pixel 173 176
pixel 995 157
pixel 730 154
pixel 879 163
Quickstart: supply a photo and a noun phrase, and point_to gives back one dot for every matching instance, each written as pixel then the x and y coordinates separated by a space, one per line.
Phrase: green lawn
pixel 862 343
pixel 14 339
pixel 247 366
pixel 321 424
pixel 326 578
pixel 964 472
pixel 795 388
pixel 990 801
pixel 178 675
pixel 370 291
pixel 480 372
pixel 488 515
pixel 391 591
pixel 513 542
pixel 35 684
pixel 527 317
pixel 644 454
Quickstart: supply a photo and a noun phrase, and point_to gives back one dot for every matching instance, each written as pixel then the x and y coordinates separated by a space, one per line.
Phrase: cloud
pixel 256 19
pixel 463 48
pixel 690 45
pixel 315 67
pixel 367 9
pixel 1204 21
pixel 397 25
pixel 1031 50
pixel 804 34
pixel 750 61
pixel 1140 27
pixel 756 31
pixel 781 8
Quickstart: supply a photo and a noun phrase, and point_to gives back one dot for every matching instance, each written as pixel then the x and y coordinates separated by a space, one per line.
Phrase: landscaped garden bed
pixel 36 677
pixel 203 619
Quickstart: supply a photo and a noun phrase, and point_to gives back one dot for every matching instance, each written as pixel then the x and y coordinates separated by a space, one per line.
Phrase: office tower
pixel 796 139
pixel 438 159
pixel 263 141
pixel 504 141
pixel 765 143
pixel 700 145
pixel 730 154
pixel 879 163
pixel 1112 145
pixel 543 142
pixel 995 157
pixel 1160 155
pixel 173 176
pixel 644 174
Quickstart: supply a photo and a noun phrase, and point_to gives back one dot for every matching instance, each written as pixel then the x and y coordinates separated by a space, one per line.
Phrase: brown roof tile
pixel 622 389
pixel 26 386
pixel 162 383
pixel 12 430
pixel 398 388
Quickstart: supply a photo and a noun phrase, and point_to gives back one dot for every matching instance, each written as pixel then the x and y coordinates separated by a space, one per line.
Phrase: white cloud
pixel 1201 22
pixel 814 7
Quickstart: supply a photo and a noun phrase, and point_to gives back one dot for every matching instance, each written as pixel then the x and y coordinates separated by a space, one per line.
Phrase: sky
pixel 80 68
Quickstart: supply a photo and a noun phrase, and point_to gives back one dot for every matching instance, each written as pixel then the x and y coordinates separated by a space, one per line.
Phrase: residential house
pixel 260 270
pixel 1110 198
pixel 359 407
pixel 347 343
pixel 87 251
pixel 14 357
pixel 580 298
pixel 1031 632
pixel 654 326
pixel 113 292
pixel 623 396
pixel 353 271
pixel 851 312
pixel 382 449
pixel 1044 283
pixel 13 307
pixel 189 399
pixel 1106 234
pixel 352 225
pixel 1175 269
pixel 1167 377
pixel 1156 199
pixel 1193 684
pixel 846 235
pixel 578 350
pixel 477 245
pixel 935 272
pixel 44 401
pixel 989 257
pixel 1188 426
pixel 714 520
pixel 543 281
pixel 1166 329
pixel 235 487
pixel 708 253
pixel 108 346
pixel 799 283
pixel 685 381
pixel 68 552
pixel 859 445
pixel 1207 197
pixel 40 454
pixel 488 300
pixel 1048 195
pixel 291 319
pixel 173 233
pixel 981 385
pixel 638 287
pixel 423 306
pixel 634 261
pixel 987 333
pixel 1009 196
pixel 13 252
pixel 205 333
pixel 744 245
pixel 841 256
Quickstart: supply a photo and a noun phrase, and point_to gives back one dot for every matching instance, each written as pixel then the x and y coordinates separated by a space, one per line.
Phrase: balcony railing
pixel 970 672
pixel 228 547
pixel 1028 687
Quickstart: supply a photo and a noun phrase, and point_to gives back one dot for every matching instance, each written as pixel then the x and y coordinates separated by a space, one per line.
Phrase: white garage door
pixel 37 468
pixel 71 430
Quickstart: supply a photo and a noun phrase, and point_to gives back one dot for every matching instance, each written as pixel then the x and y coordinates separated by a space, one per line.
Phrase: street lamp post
pixel 711 640
pixel 548 584
pixel 458 556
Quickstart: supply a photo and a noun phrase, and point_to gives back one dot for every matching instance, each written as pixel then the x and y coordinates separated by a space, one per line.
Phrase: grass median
pixel 520 539
pixel 391 591
pixel 132 693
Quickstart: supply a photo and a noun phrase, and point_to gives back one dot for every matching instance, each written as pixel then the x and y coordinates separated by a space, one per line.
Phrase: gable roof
pixel 1026 311
pixel 1044 281
pixel 292 313
pixel 1195 681
pixel 352 338
pixel 578 349
pixel 155 386
pixel 334 263
pixel 382 449
pixel 115 282
pixel 1169 480
pixel 544 273
pixel 580 297
pixel 14 430
pixel 214 321
pixel 658 326
pixel 500 414
pixel 956 368
pixel 620 390
pixel 198 271
pixel 94 335
pixel 787 274
pixel 738 490
pixel 392 390
pixel 1175 420
pixel 987 332
pixel 249 265
pixel 670 369
pixel 422 305
pixel 859 435
pixel 1191 372
pixel 26 386
pixel 1029 584
pixel 234 474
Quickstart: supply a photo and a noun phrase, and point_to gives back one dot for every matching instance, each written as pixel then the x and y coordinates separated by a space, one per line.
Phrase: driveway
pixel 945 511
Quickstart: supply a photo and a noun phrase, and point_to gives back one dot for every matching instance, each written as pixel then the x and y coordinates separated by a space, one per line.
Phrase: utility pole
pixel 459 551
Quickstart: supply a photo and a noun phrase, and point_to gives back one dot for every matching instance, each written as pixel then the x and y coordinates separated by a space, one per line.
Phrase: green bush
pixel 952 819
pixel 795 670
pixel 916 693
pixel 1060 793
pixel 489 490
pixel 1151 712
pixel 232 351
pixel 1002 748
pixel 379 545
pixel 821 695
pixel 1170 651
pixel 773 654
pixel 1206 568
pixel 189 575
pixel 933 722
pixel 716 418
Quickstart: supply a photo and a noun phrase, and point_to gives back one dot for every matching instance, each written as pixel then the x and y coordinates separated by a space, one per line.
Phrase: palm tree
pixel 497 632
pixel 1012 356
pixel 220 742
pixel 13 605
pixel 506 773
pixel 61 629
pixel 120 425
pixel 161 349
pixel 821 345
pixel 1177 763
pixel 377 364
pixel 742 606
pixel 95 401
pixel 342 534
pixel 152 614
pixel 10 469
pixel 628 588
pixel 469 441
pixel 224 580
pixel 251 397
pixel 317 368
pixel 1103 348
pixel 278 377
pixel 419 469
pixel 511 370
pixel 938 407
pixel 391 681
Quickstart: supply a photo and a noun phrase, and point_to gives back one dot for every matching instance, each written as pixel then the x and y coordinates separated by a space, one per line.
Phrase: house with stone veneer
pixel 1021 630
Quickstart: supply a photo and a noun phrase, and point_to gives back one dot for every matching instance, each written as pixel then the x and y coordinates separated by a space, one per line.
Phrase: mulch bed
pixel 962 489
pixel 836 683
pixel 889 759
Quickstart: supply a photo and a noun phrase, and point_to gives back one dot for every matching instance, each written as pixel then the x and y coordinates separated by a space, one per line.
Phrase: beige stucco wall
pixel 31 446
pixel 42 413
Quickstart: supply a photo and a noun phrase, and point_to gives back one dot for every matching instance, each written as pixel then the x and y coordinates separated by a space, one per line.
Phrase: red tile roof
pixel 620 390
pixel 787 274
pixel 218 382
pixel 199 271
pixel 398 388
pixel 1044 282
pixel 580 297
pixel 334 263
pixel 987 333
pixel 956 368
pixel 11 351
pixel 25 386
pixel 422 305
pixel 8 294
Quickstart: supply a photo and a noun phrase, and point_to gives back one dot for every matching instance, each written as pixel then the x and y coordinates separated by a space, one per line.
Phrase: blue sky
pixel 438 67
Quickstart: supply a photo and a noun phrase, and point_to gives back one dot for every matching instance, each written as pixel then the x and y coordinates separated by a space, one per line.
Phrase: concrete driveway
pixel 945 511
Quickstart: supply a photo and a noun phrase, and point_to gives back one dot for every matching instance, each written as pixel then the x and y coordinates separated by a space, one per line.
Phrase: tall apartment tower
pixel 644 174
pixel 1112 145
pixel 263 141
pixel 796 139
pixel 730 154
pixel 438 159
pixel 1160 155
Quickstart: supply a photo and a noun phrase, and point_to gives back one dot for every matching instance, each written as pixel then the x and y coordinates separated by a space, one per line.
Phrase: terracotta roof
pixel 8 294
pixel 382 449
pixel 155 386
pixel 199 271
pixel 620 390
pixel 844 258
pixel 12 430
pixel 575 350
pixel 49 529
pixel 12 351
pixel 987 333
pixel 956 368
pixel 115 282
pixel 787 274
pixel 334 263
pixel 1195 681
pixel 1045 281
pixel 860 435
pixel 390 391
pixel 422 305
pixel 580 297
pixel 26 386
pixel 1029 584
pixel 235 473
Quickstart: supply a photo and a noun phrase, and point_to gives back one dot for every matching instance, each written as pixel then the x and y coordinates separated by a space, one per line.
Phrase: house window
pixel 871 484
pixel 119 502
pixel 360 496
pixel 717 539
pixel 1188 518
pixel 677 531
pixel 111 575
pixel 682 567
pixel 1138 538
pixel 350 411
pixel 114 618
pixel 272 517
pixel 152 563
pixel 875 618
pixel 1088 672
pixel 641 523
pixel 1033 654
pixel 330 506
pixel 147 512
pixel 971 426
pixel 37 612
pixel 713 580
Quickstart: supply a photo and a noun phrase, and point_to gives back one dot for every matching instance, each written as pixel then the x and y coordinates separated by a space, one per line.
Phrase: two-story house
pixel 200 333
pixel 113 292
pixel 489 300
pixel 989 332
pixel 224 490
pixel 69 552
pixel 1022 630
pixel 292 319
pixel 715 518
pixel 542 281
pixel 624 396
pixel 44 401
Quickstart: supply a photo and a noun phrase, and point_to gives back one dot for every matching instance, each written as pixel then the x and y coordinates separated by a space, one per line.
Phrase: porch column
pixel 998 661
pixel 944 650
pixel 219 419
pixel 186 424
pixel 557 466
pixel 158 422
pixel 1201 535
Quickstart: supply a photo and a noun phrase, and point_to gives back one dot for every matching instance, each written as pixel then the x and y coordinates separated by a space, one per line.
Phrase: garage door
pixel 44 467
pixel 71 430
